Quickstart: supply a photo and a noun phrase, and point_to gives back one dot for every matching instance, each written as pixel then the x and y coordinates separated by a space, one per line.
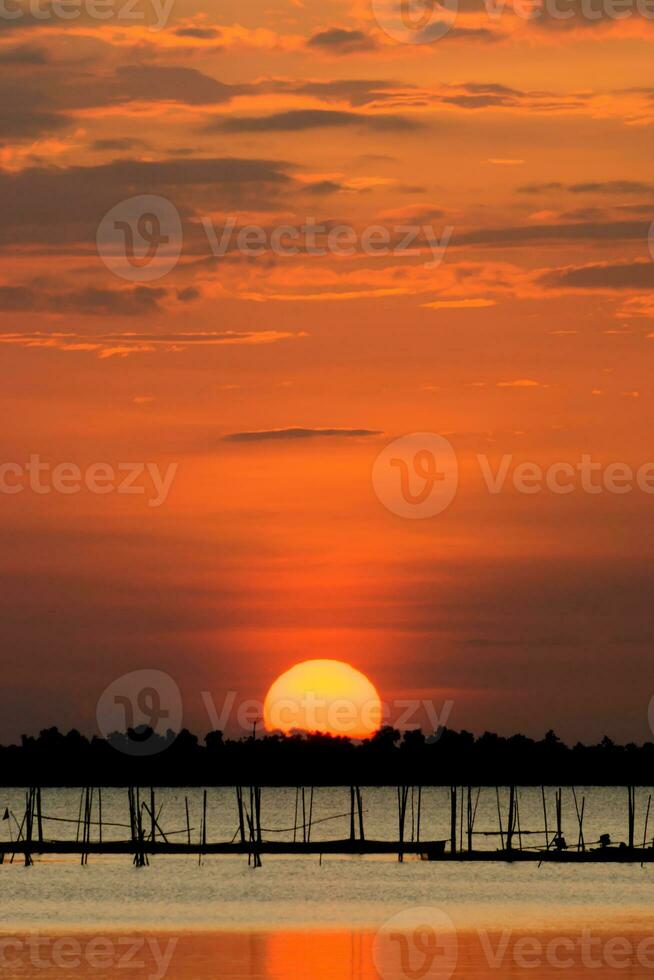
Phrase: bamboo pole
pixel 402 801
pixel 649 803
pixel 581 844
pixel 130 800
pixel 469 818
pixel 258 810
pixel 511 825
pixel 517 816
pixel 241 820
pixel 79 814
pixel 204 820
pixel 304 815
pixel 499 816
pixel 310 817
pixel 29 818
pixel 39 814
pixel 453 802
pixel 362 835
pixel 297 803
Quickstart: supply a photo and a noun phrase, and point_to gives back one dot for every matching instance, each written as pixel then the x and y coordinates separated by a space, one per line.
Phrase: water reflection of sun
pixel 319 956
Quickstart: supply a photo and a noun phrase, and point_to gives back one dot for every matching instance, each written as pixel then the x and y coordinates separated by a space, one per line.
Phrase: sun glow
pixel 326 696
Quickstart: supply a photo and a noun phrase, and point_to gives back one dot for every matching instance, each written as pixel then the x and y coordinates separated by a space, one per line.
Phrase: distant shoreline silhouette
pixel 390 758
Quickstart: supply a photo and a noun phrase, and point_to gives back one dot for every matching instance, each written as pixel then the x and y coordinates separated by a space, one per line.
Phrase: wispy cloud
pixel 602 276
pixel 521 383
pixel 460 304
pixel 300 120
pixel 124 344
pixel 297 432
pixel 338 40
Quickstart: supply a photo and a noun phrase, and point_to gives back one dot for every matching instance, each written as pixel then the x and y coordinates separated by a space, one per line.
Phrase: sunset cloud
pixel 292 433
pixel 123 344
pixel 301 120
pixel 338 40
pixel 603 276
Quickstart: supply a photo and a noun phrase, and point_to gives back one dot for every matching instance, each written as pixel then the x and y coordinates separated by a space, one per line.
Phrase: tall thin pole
pixel 649 803
pixel 631 790
pixel 402 801
pixel 241 818
pixel 204 821
pixel 297 802
pixel 453 822
pixel 39 814
pixel 362 835
pixel 547 835
pixel 153 828
pixel 511 825
pixel 310 816
pixel 499 816
pixel 469 818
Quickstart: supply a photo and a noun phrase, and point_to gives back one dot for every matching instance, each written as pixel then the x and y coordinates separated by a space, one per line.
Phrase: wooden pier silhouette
pixel 147 838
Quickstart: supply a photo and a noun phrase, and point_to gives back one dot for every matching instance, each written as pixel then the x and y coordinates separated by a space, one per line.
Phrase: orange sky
pixel 532 140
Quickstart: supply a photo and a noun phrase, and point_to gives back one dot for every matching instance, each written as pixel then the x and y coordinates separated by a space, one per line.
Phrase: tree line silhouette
pixel 389 758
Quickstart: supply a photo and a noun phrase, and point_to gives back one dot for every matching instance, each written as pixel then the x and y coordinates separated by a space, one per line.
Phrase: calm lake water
pixel 288 892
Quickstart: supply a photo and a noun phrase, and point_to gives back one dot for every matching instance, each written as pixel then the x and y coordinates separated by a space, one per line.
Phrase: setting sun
pixel 325 696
